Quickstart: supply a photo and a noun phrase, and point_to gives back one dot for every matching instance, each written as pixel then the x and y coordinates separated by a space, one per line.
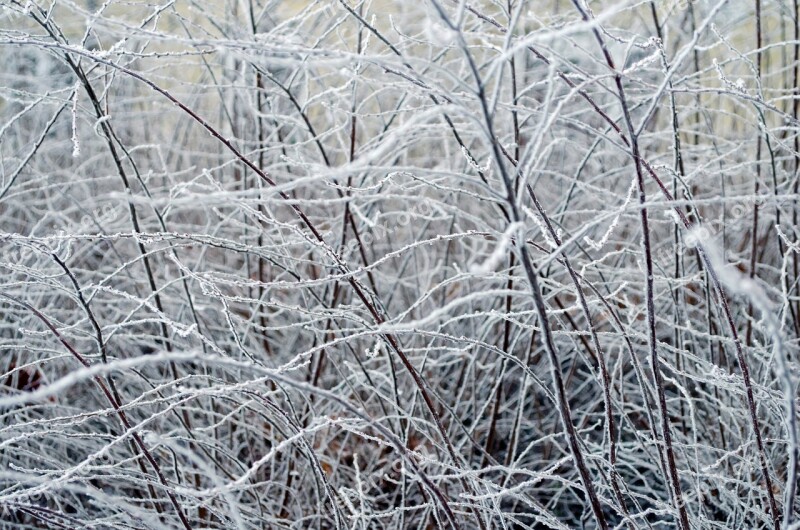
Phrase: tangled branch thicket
pixel 379 264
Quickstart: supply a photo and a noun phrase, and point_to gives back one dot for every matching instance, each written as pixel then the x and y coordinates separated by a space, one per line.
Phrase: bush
pixel 382 264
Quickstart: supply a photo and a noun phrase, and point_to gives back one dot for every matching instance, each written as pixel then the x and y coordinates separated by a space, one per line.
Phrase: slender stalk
pixel 114 403
pixel 720 291
pixel 316 236
pixel 533 281
pixel 655 364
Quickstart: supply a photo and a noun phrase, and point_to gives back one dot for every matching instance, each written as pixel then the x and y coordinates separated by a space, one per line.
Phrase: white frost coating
pixel 794 247
pixel 371 223
pixel 540 225
pixel 184 331
pixel 360 324
pixel 643 62
pixel 734 280
pixel 501 250
pixel 99 122
pixel 60 385
pixel 76 146
pixel 375 351
pixel 151 438
pixel 738 283
pixel 597 245
pixel 474 164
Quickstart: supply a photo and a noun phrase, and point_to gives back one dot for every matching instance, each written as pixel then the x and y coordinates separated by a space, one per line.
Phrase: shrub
pixel 380 264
